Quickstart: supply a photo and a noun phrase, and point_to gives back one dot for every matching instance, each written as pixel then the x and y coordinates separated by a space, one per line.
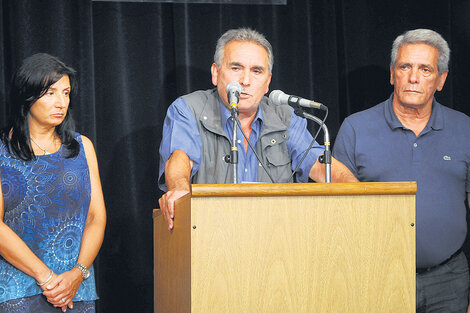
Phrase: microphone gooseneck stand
pixel 233 90
pixel 326 157
pixel 234 148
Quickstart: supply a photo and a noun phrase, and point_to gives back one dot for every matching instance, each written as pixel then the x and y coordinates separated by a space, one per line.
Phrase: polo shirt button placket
pixel 416 153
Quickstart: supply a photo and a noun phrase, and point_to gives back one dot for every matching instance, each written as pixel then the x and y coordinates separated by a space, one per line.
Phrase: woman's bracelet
pixel 47 280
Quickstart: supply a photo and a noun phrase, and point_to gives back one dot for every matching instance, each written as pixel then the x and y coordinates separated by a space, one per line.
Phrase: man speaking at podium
pixel 411 137
pixel 197 130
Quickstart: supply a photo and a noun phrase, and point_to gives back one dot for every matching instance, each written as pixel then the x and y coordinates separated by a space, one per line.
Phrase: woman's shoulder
pixel 82 139
pixel 86 143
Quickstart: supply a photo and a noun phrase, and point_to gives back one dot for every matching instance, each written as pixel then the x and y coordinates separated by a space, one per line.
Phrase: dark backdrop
pixel 134 59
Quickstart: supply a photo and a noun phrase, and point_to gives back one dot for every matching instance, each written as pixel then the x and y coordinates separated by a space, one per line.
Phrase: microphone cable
pixel 300 112
pixel 253 149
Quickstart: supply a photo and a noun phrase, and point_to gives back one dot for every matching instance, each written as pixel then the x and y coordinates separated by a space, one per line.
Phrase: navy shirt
pixel 376 147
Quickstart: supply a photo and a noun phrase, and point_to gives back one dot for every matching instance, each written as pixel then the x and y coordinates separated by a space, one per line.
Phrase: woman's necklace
pixel 41 147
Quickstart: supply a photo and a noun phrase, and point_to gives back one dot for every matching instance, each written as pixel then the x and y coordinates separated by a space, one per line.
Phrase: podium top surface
pixel 303 189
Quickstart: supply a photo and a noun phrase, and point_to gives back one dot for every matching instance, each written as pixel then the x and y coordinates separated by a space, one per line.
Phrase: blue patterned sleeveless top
pixel 46 204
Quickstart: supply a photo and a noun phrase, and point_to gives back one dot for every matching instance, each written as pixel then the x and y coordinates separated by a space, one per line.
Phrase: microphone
pixel 278 97
pixel 233 90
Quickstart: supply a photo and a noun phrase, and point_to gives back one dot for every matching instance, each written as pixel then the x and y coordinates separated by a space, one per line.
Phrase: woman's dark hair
pixel 30 82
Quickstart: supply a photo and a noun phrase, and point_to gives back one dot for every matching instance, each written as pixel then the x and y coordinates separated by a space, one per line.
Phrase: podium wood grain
pixel 305 251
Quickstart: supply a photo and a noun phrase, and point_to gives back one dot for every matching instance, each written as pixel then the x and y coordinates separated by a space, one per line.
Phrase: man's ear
pixel 214 73
pixel 392 72
pixel 269 82
pixel 442 79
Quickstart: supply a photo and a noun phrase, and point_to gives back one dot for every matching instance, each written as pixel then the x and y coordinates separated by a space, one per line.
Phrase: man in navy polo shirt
pixel 411 137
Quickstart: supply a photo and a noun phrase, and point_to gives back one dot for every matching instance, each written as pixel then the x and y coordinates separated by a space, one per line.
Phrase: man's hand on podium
pixel 167 205
pixel 177 175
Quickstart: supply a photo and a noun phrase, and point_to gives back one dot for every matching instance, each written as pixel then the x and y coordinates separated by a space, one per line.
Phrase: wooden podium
pixel 339 247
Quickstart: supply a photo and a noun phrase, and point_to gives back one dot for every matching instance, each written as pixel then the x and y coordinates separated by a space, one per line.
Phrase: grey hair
pixel 425 36
pixel 243 34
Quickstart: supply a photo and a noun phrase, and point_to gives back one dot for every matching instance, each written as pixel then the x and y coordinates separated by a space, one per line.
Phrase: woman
pixel 52 213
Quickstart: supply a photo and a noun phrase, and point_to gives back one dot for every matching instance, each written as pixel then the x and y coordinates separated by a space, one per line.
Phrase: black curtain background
pixel 134 59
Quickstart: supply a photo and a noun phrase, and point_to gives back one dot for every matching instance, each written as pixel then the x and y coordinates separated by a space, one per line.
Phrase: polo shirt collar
pixel 436 121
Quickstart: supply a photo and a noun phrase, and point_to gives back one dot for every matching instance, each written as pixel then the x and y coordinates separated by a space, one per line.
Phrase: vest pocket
pixel 277 157
pixel 279 163
pixel 275 149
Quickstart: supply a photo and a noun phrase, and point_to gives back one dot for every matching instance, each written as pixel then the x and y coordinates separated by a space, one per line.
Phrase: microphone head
pixel 278 97
pixel 233 90
pixel 233 87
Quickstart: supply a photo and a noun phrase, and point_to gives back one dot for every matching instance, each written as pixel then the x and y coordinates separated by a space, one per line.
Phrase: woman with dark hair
pixel 52 212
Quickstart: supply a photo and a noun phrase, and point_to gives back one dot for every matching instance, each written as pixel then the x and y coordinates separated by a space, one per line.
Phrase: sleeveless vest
pixel 271 145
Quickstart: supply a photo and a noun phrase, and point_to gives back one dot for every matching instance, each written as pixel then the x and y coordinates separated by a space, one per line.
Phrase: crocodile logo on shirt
pixel 446 158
